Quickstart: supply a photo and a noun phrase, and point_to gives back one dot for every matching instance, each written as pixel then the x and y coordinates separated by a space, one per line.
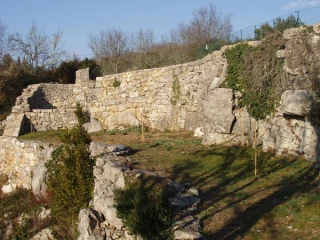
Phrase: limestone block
pixel 93 126
pixel 123 119
pixel 89 225
pixel 268 143
pixel 133 94
pixel 191 121
pixel 217 112
pixel 216 82
pixel 244 123
pixel 15 124
pixel 82 75
pixel 39 181
pixel 137 100
pixel 110 178
pixel 198 132
pixel 218 138
pixel 295 102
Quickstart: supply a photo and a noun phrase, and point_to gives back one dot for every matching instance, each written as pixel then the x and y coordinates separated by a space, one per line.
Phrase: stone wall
pixel 182 97
pixel 50 119
pixel 19 158
pixel 167 98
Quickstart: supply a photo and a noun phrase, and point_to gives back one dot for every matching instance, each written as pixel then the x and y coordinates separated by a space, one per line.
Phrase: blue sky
pixel 79 18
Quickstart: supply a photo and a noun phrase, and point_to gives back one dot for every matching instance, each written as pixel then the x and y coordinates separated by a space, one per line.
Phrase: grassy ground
pixel 282 202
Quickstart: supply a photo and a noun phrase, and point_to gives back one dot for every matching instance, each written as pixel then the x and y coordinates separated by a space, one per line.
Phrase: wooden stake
pixel 255 148
pixel 178 118
pixel 242 129
pixel 142 129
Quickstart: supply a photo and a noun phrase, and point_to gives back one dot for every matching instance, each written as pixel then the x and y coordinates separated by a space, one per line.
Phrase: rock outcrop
pixel 100 221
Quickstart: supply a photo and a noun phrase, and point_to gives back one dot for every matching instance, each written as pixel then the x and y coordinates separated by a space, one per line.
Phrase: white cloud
pixel 302 4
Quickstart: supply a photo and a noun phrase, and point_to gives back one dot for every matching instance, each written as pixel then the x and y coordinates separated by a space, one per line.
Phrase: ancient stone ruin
pixel 185 97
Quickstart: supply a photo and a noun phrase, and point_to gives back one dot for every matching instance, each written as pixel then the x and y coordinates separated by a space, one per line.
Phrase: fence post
pixel 298 19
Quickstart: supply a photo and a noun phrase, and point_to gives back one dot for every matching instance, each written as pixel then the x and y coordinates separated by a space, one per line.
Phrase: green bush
pixel 144 207
pixel 71 178
pixel 116 83
pixel 82 116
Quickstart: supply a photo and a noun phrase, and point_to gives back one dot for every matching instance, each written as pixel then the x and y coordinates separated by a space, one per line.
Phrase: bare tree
pixel 110 46
pixel 206 25
pixel 143 43
pixel 39 49
pixel 3 40
pixel 143 40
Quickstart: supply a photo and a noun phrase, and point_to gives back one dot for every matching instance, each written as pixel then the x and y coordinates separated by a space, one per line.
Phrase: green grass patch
pixel 52 136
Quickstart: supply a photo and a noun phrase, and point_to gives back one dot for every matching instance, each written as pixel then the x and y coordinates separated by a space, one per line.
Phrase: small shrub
pixel 82 116
pixel 144 207
pixel 71 178
pixel 116 83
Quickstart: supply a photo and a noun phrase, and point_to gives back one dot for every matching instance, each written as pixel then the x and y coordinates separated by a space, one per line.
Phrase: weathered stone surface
pixel 89 225
pixel 93 126
pixel 14 126
pixel 39 181
pixel 295 102
pixel 101 222
pixel 218 116
pixel 198 132
pixel 3 124
pixel 191 121
pixel 82 75
pixel 45 234
pixel 18 158
pixel 107 178
pixel 123 119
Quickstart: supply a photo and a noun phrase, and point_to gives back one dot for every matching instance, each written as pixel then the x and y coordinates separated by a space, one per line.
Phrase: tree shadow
pixel 231 182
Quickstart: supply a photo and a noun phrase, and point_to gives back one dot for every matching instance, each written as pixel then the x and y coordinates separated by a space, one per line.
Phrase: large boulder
pixel 93 126
pixel 89 225
pixel 39 181
pixel 109 175
pixel 218 117
pixel 295 102
pixel 14 125
pixel 123 119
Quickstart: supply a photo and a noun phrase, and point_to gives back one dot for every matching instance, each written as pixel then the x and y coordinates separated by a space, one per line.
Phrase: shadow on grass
pixel 227 177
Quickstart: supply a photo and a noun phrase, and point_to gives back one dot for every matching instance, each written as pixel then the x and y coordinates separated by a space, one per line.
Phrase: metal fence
pixel 259 31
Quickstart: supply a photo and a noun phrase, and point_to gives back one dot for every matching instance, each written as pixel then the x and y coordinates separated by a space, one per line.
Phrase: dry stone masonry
pixel 19 160
pixel 183 97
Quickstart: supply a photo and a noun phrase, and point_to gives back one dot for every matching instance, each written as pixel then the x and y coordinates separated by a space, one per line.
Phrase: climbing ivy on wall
pixel 256 73
pixel 175 89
